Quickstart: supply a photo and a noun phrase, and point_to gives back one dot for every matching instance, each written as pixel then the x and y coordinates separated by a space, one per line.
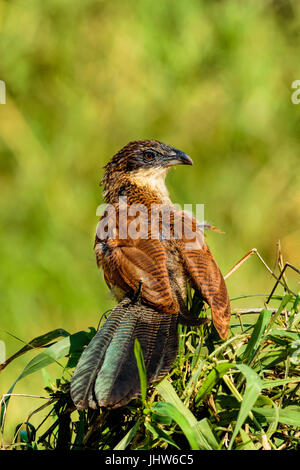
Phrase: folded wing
pixel 206 277
pixel 127 262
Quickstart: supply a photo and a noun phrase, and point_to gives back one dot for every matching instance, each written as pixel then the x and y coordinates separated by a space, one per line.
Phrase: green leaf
pixel 183 421
pixel 271 357
pixel 204 427
pixel 253 388
pixel 182 416
pixel 295 353
pixel 291 335
pixel 257 333
pixel 213 377
pixel 160 434
pixel 161 419
pixel 77 342
pixel 278 383
pixel 285 300
pixel 289 415
pixel 80 432
pixel 37 342
pixel 247 442
pixel 128 438
pixel 295 317
pixel 141 368
pixel 264 400
pixel 51 354
pixel 166 390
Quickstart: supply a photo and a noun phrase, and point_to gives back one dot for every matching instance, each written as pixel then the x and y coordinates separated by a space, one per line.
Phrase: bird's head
pixel 142 160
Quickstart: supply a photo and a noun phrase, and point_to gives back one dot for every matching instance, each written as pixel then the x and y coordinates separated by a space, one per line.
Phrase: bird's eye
pixel 148 155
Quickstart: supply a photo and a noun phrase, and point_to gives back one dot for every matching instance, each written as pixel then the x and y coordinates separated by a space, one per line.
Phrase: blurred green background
pixel 83 78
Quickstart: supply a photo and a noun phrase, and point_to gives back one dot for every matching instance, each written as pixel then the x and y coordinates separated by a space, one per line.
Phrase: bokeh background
pixel 83 78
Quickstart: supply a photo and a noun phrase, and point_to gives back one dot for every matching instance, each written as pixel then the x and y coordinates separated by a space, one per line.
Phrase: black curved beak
pixel 177 157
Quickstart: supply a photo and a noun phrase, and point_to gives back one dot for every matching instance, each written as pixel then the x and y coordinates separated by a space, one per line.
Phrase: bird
pixel 148 274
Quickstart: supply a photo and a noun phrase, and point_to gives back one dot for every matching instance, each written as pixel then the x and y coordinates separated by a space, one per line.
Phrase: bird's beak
pixel 179 158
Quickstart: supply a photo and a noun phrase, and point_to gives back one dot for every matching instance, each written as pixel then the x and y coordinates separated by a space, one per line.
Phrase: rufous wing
pixel 127 262
pixel 207 278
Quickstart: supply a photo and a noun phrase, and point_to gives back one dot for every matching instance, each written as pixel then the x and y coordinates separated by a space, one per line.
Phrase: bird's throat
pixel 153 181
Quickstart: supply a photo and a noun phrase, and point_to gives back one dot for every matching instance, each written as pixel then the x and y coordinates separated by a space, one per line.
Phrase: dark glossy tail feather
pixel 107 374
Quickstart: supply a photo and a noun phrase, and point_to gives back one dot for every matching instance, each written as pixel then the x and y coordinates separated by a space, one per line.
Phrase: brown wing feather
pixel 207 277
pixel 126 262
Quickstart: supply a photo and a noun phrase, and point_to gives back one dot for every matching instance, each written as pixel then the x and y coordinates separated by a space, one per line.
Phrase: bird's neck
pixel 142 187
pixel 153 183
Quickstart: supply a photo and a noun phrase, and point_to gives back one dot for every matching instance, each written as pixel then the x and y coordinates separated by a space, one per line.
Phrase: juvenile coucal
pixel 148 275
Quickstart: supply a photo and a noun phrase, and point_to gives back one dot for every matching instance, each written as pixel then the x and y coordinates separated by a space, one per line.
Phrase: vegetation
pixel 83 79
pixel 239 394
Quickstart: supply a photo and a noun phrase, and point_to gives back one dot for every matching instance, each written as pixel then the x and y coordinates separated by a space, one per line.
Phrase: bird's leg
pixel 137 293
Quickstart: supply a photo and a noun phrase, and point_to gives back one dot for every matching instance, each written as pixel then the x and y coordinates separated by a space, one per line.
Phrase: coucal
pixel 148 274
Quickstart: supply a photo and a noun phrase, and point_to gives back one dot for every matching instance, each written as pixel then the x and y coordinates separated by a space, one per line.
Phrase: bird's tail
pixel 107 374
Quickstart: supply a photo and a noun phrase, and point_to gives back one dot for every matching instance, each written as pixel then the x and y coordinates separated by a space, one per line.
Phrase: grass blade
pixel 128 438
pixel 213 377
pixel 247 442
pixel 253 388
pixel 35 343
pixel 289 415
pixel 141 368
pixel 279 382
pixel 286 299
pixel 168 409
pixel 204 427
pixel 160 434
pixel 51 354
pixel 182 416
pixel 258 331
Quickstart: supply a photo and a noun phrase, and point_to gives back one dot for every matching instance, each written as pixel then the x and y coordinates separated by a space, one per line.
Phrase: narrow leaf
pixel 192 432
pixel 204 427
pixel 291 335
pixel 252 391
pixel 37 342
pixel 257 333
pixel 247 442
pixel 168 409
pixel 213 377
pixel 160 434
pixel 289 415
pixel 141 368
pixel 52 354
pixel 285 300
pixel 278 383
pixel 128 438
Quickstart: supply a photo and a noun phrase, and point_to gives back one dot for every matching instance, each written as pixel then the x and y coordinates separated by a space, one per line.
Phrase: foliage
pixel 83 78
pixel 242 393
